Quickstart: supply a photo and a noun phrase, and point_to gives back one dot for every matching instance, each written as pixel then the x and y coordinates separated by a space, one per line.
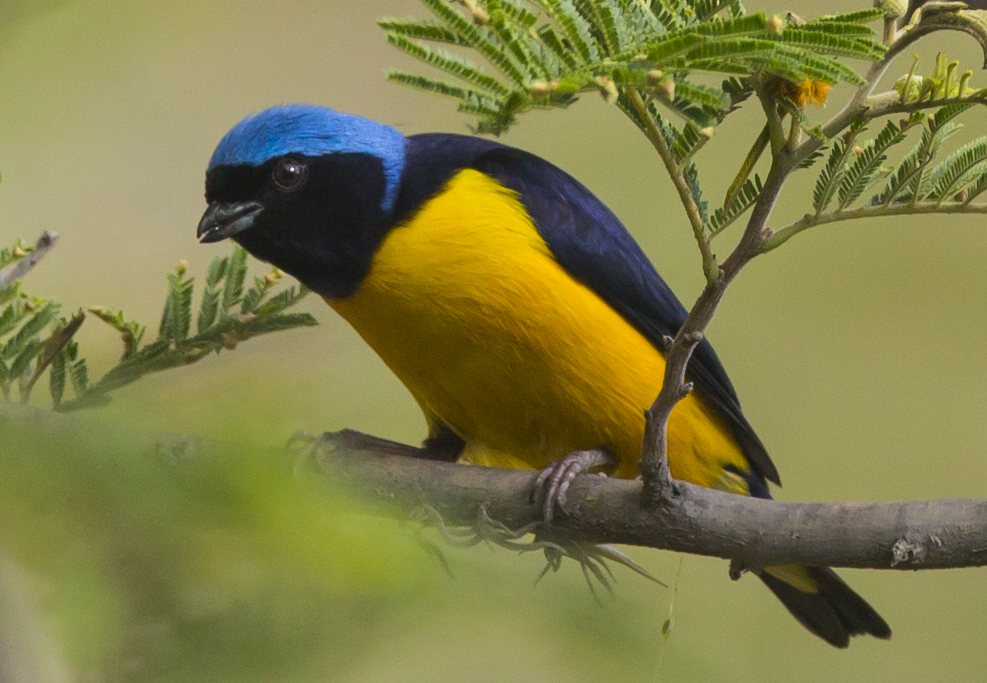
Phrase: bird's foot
pixel 594 562
pixel 556 478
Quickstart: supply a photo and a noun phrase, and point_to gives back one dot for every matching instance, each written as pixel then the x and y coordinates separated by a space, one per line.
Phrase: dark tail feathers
pixel 834 612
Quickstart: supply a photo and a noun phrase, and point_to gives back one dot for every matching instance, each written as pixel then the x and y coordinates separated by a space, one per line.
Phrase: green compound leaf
pixel 235 276
pixel 865 169
pixel 549 51
pixel 864 16
pixel 959 170
pixel 745 199
pixel 420 30
pixel 176 320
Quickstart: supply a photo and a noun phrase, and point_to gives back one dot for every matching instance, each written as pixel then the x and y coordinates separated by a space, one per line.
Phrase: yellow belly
pixel 467 306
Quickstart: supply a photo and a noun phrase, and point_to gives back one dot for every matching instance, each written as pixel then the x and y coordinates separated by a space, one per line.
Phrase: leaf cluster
pixel 918 179
pixel 227 315
pixel 35 338
pixel 546 52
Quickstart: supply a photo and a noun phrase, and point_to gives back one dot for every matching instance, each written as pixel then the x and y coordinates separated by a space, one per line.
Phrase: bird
pixel 514 306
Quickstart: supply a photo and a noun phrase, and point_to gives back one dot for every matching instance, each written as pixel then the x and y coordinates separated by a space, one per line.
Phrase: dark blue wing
pixel 589 241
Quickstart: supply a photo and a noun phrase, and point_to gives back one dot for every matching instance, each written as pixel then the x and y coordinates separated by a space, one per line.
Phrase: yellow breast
pixel 467 306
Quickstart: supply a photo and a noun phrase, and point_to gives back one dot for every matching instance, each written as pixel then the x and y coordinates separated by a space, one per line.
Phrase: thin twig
pixel 746 168
pixel 18 270
pixel 810 221
pixel 657 139
pixel 776 133
pixel 886 107
pixel 654 458
pixel 57 341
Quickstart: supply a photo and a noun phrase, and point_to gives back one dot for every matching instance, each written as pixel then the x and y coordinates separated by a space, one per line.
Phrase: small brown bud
pixel 540 89
pixel 961 196
pixel 228 341
pixel 668 87
pixel 857 150
pixel 776 24
pixel 707 132
pixel 29 306
pixel 654 76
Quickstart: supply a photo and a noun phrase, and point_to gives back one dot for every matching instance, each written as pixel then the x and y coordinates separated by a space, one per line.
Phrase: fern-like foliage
pixel 906 181
pixel 745 199
pixel 34 338
pixel 916 180
pixel 959 171
pixel 24 322
pixel 546 52
pixel 977 188
pixel 832 173
pixel 228 314
pixel 865 169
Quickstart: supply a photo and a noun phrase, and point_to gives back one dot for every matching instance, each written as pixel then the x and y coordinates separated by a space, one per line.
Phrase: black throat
pixel 326 232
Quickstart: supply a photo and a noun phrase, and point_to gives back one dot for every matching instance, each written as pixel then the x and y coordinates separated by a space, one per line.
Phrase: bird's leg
pixel 556 478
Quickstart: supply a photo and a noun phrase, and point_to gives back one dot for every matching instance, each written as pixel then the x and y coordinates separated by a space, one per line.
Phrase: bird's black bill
pixel 225 219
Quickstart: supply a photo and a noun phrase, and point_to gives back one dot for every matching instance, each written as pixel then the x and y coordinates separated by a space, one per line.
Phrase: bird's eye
pixel 289 174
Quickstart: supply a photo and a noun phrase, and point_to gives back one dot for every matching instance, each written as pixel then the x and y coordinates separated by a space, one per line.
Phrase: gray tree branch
pixel 394 480
pixel 754 533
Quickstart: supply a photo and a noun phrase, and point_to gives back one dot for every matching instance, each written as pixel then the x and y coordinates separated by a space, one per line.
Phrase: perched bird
pixel 513 305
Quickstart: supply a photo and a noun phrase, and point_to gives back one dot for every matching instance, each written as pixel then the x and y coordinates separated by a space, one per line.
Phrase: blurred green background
pixel 858 351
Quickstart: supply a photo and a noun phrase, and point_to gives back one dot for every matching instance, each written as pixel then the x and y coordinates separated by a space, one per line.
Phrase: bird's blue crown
pixel 312 131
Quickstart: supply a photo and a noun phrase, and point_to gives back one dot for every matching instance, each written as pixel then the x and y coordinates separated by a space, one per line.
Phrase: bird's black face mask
pixel 319 218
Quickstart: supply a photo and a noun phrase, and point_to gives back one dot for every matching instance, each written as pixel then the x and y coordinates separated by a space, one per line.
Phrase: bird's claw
pixel 556 478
